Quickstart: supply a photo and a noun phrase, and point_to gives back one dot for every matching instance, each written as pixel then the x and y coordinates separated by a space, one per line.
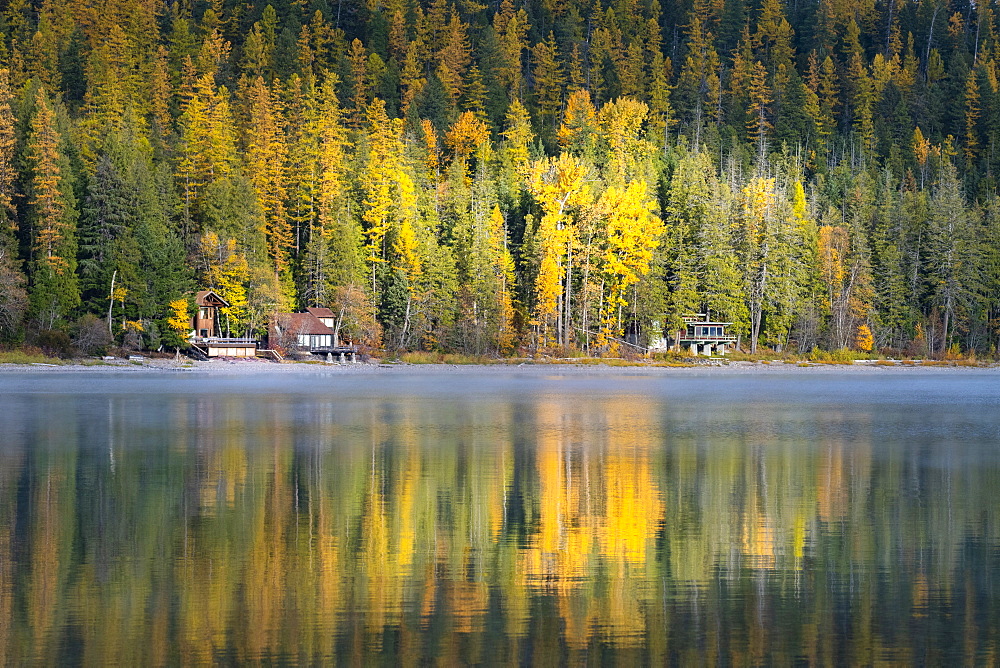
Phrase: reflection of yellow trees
pixel 599 508
pixel 11 463
pixel 51 539
pixel 553 528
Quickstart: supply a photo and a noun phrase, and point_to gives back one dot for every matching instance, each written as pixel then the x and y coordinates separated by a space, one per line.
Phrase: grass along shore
pixel 33 357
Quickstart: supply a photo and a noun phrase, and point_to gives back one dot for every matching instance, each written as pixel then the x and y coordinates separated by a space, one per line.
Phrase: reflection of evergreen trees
pixel 266 529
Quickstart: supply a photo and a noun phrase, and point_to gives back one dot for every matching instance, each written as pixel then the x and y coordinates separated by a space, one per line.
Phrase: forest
pixel 522 176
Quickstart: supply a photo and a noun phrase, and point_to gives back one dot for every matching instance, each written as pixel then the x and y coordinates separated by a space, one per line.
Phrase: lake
pixel 516 516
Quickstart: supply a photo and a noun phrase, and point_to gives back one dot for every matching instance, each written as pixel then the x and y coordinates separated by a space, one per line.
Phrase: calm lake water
pixel 512 517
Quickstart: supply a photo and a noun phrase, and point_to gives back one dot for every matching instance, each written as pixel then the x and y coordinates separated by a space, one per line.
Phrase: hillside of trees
pixel 486 178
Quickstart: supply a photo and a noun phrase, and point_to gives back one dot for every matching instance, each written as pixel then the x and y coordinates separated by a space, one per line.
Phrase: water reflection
pixel 527 528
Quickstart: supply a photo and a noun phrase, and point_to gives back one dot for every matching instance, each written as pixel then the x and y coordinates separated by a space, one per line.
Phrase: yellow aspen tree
pixel 863 339
pixel 846 279
pixel 833 250
pixel 178 319
pixel 622 125
pixel 503 274
pixel 558 185
pixel 631 233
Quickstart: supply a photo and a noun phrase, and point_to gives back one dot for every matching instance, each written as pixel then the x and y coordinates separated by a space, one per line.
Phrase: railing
pixel 336 350
pixel 268 351
pixel 223 340
pixel 720 339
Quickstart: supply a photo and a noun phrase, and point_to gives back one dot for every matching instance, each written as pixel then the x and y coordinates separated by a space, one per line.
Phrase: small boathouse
pixel 206 327
pixel 704 336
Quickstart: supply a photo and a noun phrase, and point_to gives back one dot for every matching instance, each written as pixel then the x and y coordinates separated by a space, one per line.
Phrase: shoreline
pixel 252 367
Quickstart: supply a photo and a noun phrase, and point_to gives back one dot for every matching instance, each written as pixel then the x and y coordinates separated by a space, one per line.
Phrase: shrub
pixel 54 343
pixel 132 334
pixel 92 335
pixel 25 355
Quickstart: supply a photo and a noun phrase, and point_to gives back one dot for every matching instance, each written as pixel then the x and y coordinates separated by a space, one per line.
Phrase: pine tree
pixel 454 59
pixel 267 163
pixel 54 289
pixel 8 170
pixel 954 272
pixel 548 77
pixel 758 122
pixel 207 149
pixel 972 111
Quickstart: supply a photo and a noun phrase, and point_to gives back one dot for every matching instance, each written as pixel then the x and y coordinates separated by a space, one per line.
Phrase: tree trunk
pixel 111 305
pixel 568 300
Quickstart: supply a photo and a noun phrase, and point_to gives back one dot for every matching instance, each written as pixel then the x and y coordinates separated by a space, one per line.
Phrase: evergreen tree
pixel 54 289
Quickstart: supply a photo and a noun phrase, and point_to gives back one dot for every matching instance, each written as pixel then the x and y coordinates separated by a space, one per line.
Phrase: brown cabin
pixel 205 322
pixel 323 314
pixel 303 330
pixel 312 331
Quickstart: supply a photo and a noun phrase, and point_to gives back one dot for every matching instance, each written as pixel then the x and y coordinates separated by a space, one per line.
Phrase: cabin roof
pixel 303 323
pixel 209 298
pixel 320 311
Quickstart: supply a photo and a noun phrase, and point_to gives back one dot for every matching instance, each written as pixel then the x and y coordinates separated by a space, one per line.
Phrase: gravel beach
pixel 257 367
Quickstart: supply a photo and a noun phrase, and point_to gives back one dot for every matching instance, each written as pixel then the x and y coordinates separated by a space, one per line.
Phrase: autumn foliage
pixel 520 175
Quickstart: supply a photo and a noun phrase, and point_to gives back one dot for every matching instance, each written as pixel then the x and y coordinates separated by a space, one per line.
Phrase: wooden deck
pixel 218 346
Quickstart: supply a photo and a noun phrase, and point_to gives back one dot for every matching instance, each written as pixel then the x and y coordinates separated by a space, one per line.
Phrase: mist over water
pixel 514 516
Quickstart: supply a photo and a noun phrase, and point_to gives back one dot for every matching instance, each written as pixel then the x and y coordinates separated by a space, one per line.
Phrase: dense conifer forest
pixel 522 175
